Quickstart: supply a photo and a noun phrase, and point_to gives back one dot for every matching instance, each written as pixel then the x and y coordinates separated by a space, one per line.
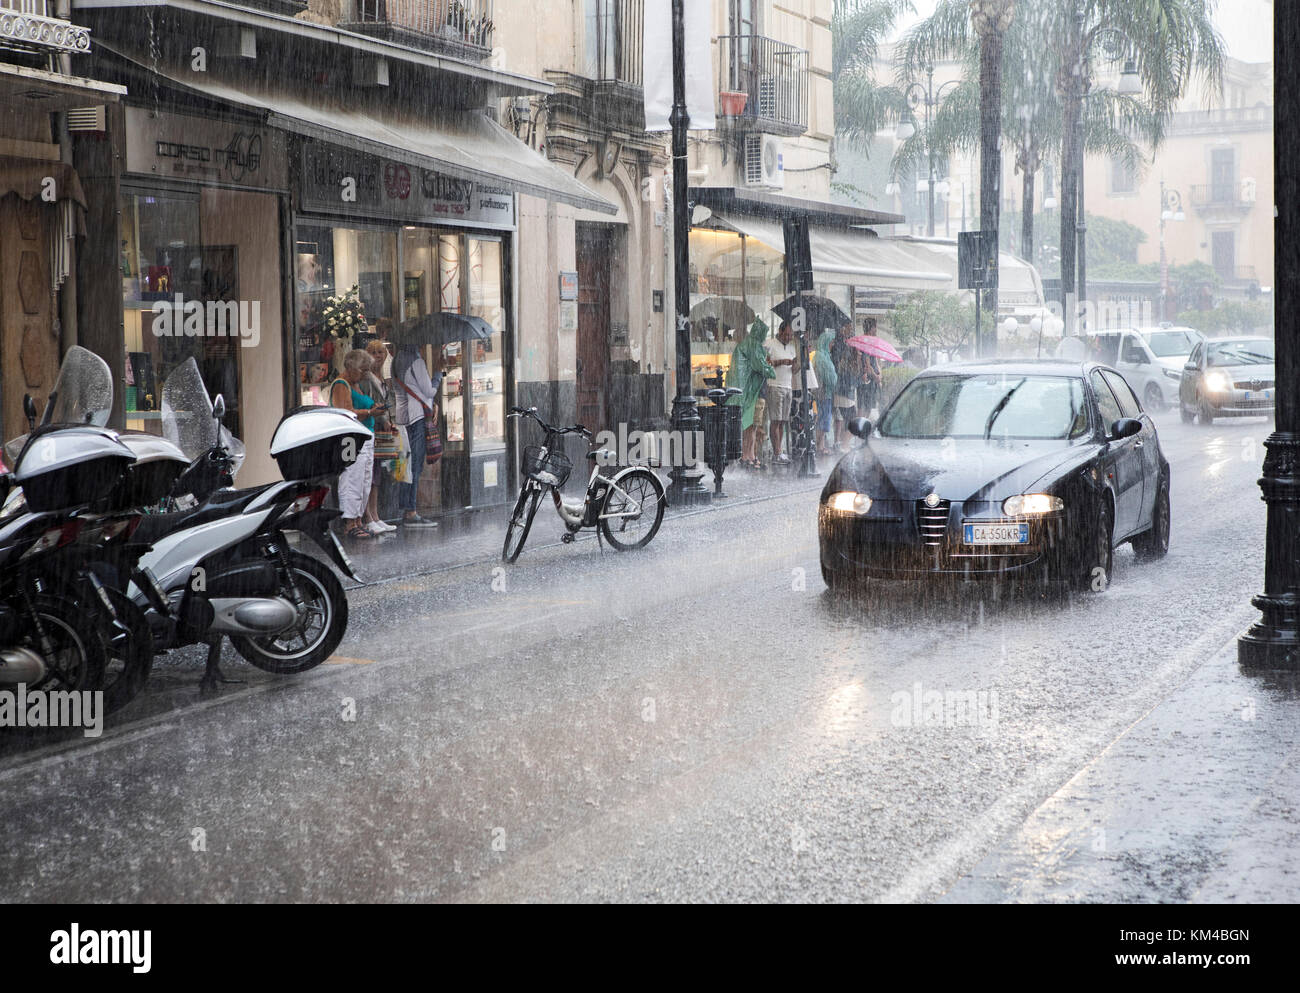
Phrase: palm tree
pixel 1170 43
pixel 863 105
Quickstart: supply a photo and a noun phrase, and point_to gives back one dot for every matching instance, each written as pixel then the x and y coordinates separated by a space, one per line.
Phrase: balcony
pixel 1224 200
pixel 462 28
pixel 772 76
pixel 30 25
pixel 606 92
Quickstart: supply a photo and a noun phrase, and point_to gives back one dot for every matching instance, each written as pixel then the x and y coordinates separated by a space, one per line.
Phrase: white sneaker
pixel 385 527
pixel 376 528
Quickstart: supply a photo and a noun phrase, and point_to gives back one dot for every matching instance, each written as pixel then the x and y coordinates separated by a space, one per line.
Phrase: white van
pixel 1151 376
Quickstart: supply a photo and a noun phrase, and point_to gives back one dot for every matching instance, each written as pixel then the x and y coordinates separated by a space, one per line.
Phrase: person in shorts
pixel 783 353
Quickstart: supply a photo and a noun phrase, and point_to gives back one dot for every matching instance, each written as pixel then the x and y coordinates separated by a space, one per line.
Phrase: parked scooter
pixel 223 562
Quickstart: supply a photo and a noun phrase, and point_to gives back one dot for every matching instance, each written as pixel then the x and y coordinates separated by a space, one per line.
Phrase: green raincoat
pixel 824 366
pixel 749 370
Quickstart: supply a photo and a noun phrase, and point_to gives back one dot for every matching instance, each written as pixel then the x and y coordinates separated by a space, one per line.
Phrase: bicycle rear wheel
pixel 643 492
pixel 521 520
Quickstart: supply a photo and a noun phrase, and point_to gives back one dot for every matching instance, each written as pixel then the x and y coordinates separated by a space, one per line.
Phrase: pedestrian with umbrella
pixel 750 370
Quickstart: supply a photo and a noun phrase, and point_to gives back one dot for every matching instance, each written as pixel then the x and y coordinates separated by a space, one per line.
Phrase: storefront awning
pixel 466 145
pixel 24 88
pixel 851 257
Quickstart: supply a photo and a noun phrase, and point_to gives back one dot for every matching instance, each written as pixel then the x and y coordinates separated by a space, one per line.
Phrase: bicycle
pixel 626 508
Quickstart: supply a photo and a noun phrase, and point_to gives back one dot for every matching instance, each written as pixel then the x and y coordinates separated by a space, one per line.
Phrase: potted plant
pixel 733 102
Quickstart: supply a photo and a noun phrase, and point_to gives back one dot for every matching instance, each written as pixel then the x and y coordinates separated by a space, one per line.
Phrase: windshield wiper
pixel 1002 405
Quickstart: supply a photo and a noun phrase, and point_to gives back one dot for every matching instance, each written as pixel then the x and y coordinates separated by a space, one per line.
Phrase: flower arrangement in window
pixel 344 315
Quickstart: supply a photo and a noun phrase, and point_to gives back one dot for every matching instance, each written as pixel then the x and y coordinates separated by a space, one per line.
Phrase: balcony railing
pixel 458 27
pixel 32 26
pixel 773 77
pixel 1232 196
pixel 614 39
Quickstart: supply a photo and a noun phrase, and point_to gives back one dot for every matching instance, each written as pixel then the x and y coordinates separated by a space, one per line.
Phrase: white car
pixel 1151 375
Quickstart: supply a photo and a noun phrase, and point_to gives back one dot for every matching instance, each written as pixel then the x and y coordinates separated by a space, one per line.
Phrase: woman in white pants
pixel 355 480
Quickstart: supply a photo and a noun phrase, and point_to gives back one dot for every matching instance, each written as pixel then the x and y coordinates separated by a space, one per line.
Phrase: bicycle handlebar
pixel 532 412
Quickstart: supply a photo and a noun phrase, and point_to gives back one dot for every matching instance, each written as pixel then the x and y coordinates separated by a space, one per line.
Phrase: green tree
pixel 933 319
pixel 863 104
pixel 1229 317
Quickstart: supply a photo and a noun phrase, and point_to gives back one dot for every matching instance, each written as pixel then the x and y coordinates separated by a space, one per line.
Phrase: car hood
pixel 1245 373
pixel 956 469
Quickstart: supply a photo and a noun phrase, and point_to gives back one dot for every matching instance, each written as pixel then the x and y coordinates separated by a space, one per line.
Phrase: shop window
pixel 180 299
pixel 1123 178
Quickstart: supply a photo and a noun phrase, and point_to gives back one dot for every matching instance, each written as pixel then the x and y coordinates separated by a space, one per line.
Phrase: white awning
pixel 463 144
pixel 851 258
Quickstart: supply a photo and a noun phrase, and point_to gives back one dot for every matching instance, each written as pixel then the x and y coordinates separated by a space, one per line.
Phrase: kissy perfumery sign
pixel 339 180
pixel 204 150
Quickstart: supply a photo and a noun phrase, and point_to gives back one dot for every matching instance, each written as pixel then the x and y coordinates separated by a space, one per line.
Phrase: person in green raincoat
pixel 827 379
pixel 749 371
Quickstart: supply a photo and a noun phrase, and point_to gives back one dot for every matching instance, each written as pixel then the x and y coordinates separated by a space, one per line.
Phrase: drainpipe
pixel 68 292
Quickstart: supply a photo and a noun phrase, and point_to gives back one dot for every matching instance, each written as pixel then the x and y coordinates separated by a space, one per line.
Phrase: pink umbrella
pixel 878 347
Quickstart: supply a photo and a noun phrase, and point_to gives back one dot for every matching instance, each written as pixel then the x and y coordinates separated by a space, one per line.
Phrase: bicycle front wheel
pixel 521 520
pixel 630 518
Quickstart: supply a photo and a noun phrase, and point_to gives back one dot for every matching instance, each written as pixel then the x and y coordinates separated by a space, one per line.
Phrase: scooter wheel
pixel 314 640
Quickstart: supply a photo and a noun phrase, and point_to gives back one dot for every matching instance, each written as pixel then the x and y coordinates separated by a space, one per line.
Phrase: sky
pixel 1246 26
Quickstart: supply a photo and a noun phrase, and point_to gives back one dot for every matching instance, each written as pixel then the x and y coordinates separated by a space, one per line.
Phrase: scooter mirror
pixel 219 407
pixel 29 410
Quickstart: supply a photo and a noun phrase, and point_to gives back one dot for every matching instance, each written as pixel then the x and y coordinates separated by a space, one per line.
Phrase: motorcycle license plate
pixel 995 534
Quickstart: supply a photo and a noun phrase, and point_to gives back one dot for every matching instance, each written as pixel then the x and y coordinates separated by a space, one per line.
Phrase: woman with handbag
pixel 416 395
pixel 372 385
pixel 354 481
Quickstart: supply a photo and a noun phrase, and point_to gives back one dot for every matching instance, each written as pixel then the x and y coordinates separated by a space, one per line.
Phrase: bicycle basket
pixel 551 468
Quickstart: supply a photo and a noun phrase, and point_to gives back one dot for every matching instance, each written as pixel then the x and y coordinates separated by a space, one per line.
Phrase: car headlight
pixel 1217 382
pixel 1174 373
pixel 1025 504
pixel 848 502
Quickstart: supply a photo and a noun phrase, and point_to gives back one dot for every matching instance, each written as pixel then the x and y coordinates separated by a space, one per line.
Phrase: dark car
pixel 1001 470
pixel 1228 377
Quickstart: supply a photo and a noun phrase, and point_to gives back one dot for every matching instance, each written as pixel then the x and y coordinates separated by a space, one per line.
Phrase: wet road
pixel 702 721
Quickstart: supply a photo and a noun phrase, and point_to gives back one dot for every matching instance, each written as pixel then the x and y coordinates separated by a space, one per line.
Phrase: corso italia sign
pixel 337 180
pixel 204 150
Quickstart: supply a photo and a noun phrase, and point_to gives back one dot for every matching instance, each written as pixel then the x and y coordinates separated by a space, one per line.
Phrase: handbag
pixel 432 429
pixel 401 469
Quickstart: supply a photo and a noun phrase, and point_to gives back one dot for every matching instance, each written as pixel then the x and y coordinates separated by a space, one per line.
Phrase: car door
pixel 1191 374
pixel 1134 363
pixel 1124 460
pixel 1147 443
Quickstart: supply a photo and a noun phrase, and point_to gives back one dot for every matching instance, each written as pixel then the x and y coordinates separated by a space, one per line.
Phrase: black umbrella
pixel 728 310
pixel 820 314
pixel 441 329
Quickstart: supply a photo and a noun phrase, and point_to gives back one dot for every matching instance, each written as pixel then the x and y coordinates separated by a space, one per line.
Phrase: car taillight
pixel 54 538
pixel 306 502
pixel 122 528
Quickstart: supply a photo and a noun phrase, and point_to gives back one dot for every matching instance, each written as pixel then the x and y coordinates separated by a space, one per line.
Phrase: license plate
pixel 1264 394
pixel 995 534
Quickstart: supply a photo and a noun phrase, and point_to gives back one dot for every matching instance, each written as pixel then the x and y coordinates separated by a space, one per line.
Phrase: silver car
pixel 1228 377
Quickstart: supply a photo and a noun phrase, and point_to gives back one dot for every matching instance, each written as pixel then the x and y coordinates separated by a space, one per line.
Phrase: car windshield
pixel 1255 351
pixel 1002 405
pixel 1166 344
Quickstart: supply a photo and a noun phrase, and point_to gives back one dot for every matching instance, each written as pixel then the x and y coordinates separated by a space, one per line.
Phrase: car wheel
pixel 1099 555
pixel 835 580
pixel 1152 398
pixel 1205 413
pixel 1154 544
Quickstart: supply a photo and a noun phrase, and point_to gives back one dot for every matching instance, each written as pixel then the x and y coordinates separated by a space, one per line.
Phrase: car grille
pixel 932 522
pixel 1254 384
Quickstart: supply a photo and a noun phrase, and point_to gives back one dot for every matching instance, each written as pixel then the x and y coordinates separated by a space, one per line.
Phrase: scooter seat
pixel 221 504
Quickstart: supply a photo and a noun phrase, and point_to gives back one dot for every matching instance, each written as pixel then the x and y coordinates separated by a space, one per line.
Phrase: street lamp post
pixel 1171 209
pixel 1274 642
pixel 926 95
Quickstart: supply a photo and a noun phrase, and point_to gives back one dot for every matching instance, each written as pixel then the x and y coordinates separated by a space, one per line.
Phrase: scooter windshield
pixel 187 419
pixel 83 393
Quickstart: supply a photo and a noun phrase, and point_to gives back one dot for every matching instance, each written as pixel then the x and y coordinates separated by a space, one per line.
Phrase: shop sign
pixel 204 150
pixel 339 180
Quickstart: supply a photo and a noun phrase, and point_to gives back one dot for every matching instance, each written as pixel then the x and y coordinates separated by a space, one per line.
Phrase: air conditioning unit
pixel 764 164
pixel 767 96
pixel 87 119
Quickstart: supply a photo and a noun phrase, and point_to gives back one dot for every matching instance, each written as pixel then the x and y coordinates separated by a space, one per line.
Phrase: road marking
pixel 79 751
pixel 344 660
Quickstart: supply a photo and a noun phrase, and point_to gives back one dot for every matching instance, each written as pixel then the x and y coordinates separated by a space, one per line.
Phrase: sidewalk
pixel 1196 802
pixel 469 538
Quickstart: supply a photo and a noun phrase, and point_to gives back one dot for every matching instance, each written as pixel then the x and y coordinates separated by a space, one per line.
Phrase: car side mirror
pixel 862 427
pixel 219 407
pixel 1125 427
